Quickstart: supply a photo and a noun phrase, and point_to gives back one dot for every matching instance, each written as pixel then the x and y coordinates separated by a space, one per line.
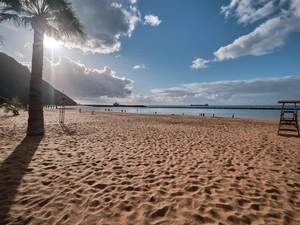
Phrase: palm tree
pixel 54 18
pixel 14 105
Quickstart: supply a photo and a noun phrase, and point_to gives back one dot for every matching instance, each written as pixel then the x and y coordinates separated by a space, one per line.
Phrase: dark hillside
pixel 14 81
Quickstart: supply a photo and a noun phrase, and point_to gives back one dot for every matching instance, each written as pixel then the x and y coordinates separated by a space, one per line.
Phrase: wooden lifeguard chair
pixel 288 117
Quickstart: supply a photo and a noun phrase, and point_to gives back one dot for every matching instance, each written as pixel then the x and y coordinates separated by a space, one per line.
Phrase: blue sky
pixel 173 52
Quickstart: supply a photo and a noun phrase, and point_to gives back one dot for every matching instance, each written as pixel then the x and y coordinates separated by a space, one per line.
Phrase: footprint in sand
pixel 160 212
pixel 129 188
pixel 46 182
pixel 95 203
pixel 242 202
pixel 100 186
pixel 90 182
pixel 203 219
pixel 255 207
pixel 273 191
pixel 50 168
pixel 192 188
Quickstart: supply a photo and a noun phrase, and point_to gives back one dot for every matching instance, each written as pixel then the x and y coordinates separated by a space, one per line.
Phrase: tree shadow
pixel 12 170
pixel 67 129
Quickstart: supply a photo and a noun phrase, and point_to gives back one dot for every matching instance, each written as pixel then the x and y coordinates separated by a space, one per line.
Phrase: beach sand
pixel 122 168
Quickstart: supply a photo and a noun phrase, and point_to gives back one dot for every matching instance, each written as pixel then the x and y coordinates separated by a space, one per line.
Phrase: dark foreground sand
pixel 121 168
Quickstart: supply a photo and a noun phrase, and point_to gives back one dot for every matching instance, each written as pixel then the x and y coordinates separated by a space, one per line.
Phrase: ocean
pixel 238 111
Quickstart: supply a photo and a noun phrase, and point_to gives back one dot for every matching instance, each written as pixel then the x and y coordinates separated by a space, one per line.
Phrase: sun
pixel 51 43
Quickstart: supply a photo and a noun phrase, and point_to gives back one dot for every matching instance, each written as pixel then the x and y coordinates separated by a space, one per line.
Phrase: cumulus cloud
pixel 105 22
pixel 140 66
pixel 267 37
pixel 256 91
pixel 20 55
pixel 242 92
pixel 28 45
pixel 200 63
pixel 152 20
pixel 249 11
pixel 27 64
pixel 281 18
pixel 80 82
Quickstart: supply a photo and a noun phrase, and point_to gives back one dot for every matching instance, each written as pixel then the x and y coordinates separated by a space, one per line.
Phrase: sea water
pixel 236 111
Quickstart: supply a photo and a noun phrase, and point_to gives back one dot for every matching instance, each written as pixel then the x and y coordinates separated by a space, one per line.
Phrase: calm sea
pixel 239 111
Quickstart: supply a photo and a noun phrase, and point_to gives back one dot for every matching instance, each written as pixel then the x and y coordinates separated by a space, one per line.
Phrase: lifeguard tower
pixel 288 117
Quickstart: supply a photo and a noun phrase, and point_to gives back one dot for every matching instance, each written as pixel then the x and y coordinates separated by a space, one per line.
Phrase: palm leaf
pixel 11 2
pixel 59 15
pixel 14 105
pixel 66 21
pixel 52 32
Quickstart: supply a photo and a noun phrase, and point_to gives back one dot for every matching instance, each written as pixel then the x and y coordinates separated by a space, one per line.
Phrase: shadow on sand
pixel 67 129
pixel 12 170
pixel 290 135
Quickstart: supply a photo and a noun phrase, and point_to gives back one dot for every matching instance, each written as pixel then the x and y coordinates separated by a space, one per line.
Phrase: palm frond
pixel 13 8
pixel 7 107
pixel 11 2
pixel 14 105
pixel 8 17
pixel 58 16
pixel 67 22
pixel 52 32
pixel 15 18
pixel 25 21
pixel 57 4
pixel 30 7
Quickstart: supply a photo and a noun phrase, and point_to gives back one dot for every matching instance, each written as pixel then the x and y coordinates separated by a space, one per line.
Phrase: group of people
pixel 51 106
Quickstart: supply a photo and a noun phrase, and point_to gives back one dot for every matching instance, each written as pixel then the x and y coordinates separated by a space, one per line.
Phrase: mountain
pixel 15 79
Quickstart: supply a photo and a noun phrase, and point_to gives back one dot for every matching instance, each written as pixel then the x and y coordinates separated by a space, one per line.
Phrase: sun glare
pixel 51 43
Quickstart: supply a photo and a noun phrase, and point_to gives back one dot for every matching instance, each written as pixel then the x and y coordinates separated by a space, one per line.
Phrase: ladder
pixel 288 117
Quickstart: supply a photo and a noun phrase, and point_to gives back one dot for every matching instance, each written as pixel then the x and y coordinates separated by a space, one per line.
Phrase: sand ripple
pixel 118 168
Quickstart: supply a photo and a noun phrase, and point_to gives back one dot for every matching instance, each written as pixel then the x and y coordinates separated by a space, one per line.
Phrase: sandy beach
pixel 122 168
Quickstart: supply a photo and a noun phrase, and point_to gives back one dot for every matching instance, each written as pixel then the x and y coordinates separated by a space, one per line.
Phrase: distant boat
pixel 116 104
pixel 200 105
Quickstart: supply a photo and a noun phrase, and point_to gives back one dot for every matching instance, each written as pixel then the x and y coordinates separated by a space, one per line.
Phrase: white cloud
pixel 105 22
pixel 27 64
pixel 20 55
pixel 152 20
pixel 200 63
pixel 28 45
pixel 267 37
pixel 249 11
pixel 282 2
pixel 80 82
pixel 140 66
pixel 256 91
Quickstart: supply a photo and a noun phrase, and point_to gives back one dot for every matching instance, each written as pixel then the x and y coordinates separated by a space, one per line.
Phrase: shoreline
pixel 241 107
pixel 124 168
pixel 243 114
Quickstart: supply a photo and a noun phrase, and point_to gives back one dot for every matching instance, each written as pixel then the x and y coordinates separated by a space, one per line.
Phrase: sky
pixel 173 52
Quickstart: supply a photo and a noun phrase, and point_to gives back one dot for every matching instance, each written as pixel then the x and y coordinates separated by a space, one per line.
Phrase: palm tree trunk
pixel 36 115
